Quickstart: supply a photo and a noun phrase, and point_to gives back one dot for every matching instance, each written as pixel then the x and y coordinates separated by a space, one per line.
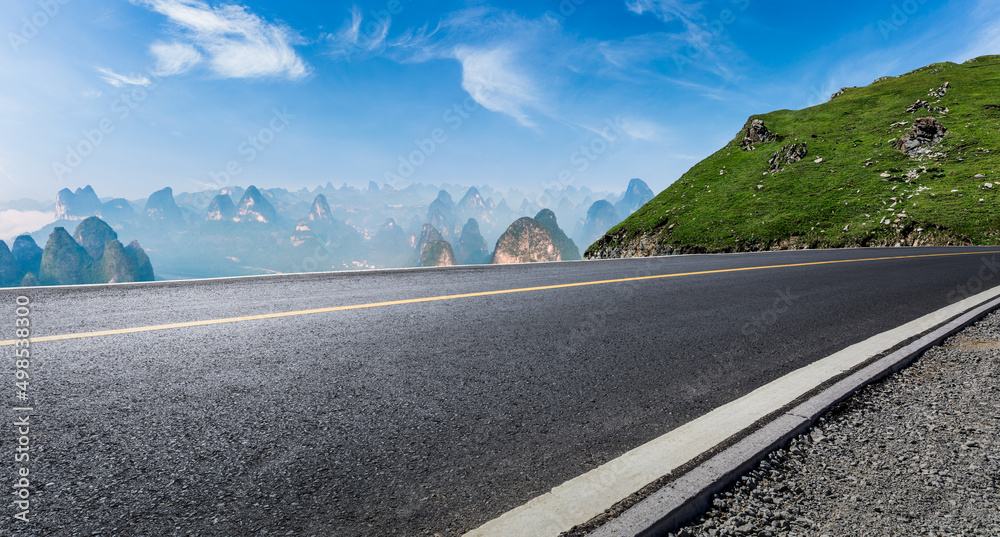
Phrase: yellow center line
pixel 266 316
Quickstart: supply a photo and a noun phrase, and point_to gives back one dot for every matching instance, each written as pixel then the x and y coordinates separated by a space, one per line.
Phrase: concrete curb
pixel 689 495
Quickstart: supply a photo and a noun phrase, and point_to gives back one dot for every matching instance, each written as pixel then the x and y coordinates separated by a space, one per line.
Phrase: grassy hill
pixel 853 187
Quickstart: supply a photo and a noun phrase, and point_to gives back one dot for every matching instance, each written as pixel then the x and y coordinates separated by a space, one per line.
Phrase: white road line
pixel 583 498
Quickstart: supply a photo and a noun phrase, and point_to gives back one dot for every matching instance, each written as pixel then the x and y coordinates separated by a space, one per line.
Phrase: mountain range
pixel 243 231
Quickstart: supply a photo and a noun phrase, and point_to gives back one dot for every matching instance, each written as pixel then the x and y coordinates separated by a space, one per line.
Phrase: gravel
pixel 916 454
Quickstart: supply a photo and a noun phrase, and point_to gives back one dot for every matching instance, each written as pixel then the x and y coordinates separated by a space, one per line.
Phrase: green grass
pixel 730 202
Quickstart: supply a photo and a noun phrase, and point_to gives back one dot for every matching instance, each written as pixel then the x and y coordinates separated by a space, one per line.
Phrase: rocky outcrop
pixel 790 154
pixel 161 207
pixel 221 209
pixel 756 133
pixel 428 235
pixel 93 234
pixel 253 207
pixel 636 195
pixel 472 247
pixel 320 212
pixel 525 241
pixel 77 205
pixel 923 135
pixel 568 250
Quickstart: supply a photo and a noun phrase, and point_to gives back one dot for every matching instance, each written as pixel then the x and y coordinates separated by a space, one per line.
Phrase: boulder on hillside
pixel 924 133
pixel 756 133
pixel 790 154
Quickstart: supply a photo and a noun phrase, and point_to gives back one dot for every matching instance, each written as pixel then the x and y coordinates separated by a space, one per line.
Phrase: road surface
pixel 405 406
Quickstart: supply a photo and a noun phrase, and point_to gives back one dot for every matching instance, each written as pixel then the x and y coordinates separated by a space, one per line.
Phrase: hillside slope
pixel 908 160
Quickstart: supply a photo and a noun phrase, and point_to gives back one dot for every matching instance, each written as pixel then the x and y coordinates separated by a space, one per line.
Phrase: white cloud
pixel 237 43
pixel 91 94
pixel 120 81
pixel 489 76
pixel 174 58
pixel 14 223
pixel 667 10
pixel 984 40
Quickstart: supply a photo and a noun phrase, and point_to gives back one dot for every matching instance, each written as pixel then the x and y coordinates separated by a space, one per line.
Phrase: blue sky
pixel 133 95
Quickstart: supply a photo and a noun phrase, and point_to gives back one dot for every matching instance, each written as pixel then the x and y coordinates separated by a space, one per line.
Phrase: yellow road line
pixel 190 324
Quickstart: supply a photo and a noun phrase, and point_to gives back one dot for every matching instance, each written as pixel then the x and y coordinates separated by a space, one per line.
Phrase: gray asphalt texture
pixel 419 419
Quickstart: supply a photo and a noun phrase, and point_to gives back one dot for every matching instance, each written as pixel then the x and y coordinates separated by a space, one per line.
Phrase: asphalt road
pixel 424 418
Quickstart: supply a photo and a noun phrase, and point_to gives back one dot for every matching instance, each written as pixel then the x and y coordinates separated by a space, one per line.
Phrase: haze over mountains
pixel 244 231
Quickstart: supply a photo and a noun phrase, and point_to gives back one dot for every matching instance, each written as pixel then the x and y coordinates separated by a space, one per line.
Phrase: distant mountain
pixel 472 247
pixel 66 262
pixel 28 255
pixel 221 209
pixel 77 205
pixel 473 205
pixel 254 208
pixel 161 207
pixel 390 246
pixel 117 210
pixel 320 211
pixel 529 240
pixel 601 217
pixel 636 195
pixel 567 248
pixel 9 267
pixel 93 234
pixel 144 269
pixel 437 254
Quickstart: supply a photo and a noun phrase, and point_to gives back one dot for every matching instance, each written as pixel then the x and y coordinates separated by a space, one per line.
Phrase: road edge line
pixel 689 495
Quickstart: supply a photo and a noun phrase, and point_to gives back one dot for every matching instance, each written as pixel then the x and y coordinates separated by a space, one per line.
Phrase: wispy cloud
pixel 667 10
pixel 14 223
pixel 120 81
pixel 237 43
pixel 491 78
pixel 174 58
pixel 986 39
pixel 91 94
